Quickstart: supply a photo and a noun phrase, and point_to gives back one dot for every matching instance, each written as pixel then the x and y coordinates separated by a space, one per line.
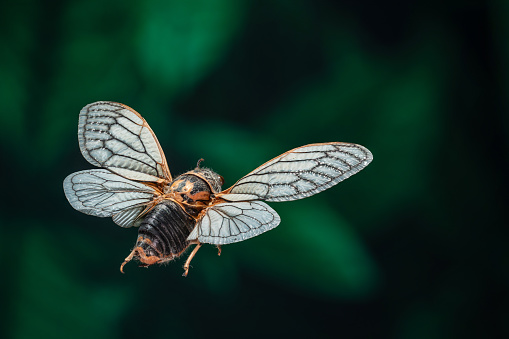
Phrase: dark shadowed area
pixel 414 246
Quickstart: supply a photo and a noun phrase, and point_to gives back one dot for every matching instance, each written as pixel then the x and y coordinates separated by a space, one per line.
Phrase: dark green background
pixel 415 246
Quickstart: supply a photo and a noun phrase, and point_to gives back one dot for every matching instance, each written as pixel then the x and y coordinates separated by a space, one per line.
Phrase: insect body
pixel 165 228
pixel 135 187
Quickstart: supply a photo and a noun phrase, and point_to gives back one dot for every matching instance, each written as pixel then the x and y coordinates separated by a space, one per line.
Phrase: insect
pixel 135 187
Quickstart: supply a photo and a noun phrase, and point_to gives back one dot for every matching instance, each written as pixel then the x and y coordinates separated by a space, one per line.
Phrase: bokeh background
pixel 414 246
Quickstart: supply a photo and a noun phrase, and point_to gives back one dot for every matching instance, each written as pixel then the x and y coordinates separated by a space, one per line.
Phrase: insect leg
pixel 129 257
pixel 219 250
pixel 191 256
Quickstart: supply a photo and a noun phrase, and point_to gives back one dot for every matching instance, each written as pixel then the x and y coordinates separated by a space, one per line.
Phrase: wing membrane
pixel 301 172
pixel 230 222
pixel 116 137
pixel 101 193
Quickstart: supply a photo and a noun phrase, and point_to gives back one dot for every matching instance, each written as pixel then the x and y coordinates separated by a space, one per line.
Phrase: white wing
pixel 301 172
pixel 116 137
pixel 226 223
pixel 101 193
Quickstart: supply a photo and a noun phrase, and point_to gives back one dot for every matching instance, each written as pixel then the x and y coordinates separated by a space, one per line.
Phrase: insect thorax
pixel 195 188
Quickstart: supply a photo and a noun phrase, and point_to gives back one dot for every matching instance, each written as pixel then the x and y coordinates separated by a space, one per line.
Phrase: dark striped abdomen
pixel 165 229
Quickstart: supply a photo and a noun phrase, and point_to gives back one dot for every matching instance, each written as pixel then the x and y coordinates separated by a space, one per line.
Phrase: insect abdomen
pixel 166 228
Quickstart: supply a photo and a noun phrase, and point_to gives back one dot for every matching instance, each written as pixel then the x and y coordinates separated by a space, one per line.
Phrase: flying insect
pixel 134 186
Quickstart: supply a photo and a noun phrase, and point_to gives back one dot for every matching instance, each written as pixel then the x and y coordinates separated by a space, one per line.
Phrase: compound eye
pixel 221 179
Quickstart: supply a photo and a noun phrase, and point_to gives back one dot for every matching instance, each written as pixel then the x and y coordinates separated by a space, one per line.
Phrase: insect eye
pixel 221 179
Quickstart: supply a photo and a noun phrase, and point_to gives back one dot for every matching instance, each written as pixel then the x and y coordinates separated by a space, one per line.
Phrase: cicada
pixel 134 186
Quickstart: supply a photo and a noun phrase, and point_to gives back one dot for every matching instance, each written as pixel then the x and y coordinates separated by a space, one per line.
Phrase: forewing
pixel 301 172
pixel 100 193
pixel 116 137
pixel 230 222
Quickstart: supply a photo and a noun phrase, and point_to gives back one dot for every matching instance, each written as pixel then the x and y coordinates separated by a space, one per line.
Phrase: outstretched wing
pixel 101 193
pixel 230 222
pixel 300 173
pixel 116 137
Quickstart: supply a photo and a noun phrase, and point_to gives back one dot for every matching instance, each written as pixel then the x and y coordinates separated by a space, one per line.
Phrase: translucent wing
pixel 101 193
pixel 116 137
pixel 230 222
pixel 301 172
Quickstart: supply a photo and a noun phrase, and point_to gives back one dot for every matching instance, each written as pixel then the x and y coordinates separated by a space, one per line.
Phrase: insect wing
pixel 230 222
pixel 100 193
pixel 301 172
pixel 116 137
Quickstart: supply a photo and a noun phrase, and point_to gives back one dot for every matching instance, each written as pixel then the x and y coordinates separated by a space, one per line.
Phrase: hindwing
pixel 100 193
pixel 230 222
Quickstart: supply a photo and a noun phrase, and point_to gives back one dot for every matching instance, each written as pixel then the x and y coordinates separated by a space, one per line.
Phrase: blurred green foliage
pixel 415 246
